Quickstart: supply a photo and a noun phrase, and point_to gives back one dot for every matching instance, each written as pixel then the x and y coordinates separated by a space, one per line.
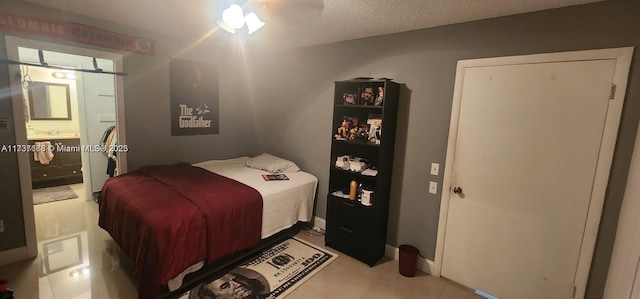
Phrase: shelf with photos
pixel 351 130
pixel 363 95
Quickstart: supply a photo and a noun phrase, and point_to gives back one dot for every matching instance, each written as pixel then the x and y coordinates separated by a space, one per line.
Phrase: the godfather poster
pixel 194 98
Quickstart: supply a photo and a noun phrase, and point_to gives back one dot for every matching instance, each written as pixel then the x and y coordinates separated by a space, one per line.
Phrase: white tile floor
pixel 83 262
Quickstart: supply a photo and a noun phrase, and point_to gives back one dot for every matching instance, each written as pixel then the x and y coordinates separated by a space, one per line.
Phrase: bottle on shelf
pixel 346 164
pixel 353 190
pixel 31 131
pixel 366 197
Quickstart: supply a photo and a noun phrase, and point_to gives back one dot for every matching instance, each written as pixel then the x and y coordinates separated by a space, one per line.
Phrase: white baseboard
pixel 319 222
pixel 424 265
pixel 13 255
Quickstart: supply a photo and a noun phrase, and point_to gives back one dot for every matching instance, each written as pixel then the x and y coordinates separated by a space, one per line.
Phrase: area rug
pixel 274 273
pixel 45 195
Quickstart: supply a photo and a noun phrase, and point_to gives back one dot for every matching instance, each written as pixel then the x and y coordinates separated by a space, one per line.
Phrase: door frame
pixel 623 278
pixel 30 250
pixel 623 61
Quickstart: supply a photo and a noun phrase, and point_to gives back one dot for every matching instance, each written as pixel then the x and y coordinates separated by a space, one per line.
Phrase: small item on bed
pixel 275 177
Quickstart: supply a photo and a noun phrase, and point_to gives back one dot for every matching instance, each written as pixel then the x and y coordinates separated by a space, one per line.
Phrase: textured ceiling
pixel 340 19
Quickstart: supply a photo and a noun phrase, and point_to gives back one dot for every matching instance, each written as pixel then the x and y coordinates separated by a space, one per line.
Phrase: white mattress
pixel 284 202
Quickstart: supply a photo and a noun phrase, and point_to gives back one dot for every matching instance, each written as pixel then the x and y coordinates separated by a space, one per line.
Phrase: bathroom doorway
pixel 72 111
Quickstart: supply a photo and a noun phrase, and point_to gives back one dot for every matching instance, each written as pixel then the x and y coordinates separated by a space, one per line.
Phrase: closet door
pixel 533 148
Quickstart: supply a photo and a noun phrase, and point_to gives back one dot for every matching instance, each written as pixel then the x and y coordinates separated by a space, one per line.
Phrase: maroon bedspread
pixel 166 218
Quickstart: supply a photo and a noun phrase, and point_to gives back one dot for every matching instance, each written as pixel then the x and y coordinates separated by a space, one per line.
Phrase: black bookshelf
pixel 354 228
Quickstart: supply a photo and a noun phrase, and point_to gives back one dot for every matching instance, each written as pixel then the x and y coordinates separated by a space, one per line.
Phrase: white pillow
pixel 272 164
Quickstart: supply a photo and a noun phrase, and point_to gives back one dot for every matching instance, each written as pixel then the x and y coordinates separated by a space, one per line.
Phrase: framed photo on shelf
pixel 375 128
pixel 367 96
pixel 350 98
pixel 379 101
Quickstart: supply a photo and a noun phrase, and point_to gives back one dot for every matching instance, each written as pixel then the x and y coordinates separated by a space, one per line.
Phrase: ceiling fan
pixel 254 14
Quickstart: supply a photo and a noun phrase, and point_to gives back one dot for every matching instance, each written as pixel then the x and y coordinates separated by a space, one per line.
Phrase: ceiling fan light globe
pixel 253 22
pixel 233 16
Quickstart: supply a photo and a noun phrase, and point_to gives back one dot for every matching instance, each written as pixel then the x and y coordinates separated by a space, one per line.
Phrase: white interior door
pixel 527 149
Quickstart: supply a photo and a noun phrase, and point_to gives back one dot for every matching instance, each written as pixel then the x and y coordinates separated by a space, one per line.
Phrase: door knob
pixel 457 190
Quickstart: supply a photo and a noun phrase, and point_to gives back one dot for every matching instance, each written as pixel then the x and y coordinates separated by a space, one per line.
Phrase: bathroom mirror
pixel 49 101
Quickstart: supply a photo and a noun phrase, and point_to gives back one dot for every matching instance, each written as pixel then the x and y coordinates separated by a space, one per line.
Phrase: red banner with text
pixel 76 32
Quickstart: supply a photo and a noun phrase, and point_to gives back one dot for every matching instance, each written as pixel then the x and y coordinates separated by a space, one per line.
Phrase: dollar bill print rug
pixel 274 273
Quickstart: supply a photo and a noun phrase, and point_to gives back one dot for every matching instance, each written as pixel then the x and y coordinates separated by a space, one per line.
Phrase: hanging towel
pixel 25 108
pixel 44 154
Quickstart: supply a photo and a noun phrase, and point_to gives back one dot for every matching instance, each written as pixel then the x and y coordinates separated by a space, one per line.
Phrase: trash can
pixel 408 260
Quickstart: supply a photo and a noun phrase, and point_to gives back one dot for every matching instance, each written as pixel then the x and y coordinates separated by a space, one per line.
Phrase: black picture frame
pixel 368 95
pixel 41 96
pixel 350 98
pixel 379 94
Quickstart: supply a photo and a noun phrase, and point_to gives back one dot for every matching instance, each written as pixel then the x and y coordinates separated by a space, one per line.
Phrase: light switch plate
pixel 433 187
pixel 1 226
pixel 435 168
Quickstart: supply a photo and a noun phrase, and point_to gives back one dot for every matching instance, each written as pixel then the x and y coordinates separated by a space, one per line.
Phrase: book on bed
pixel 275 177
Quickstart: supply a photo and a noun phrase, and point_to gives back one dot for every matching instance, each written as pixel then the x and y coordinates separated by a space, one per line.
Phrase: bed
pixel 172 219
